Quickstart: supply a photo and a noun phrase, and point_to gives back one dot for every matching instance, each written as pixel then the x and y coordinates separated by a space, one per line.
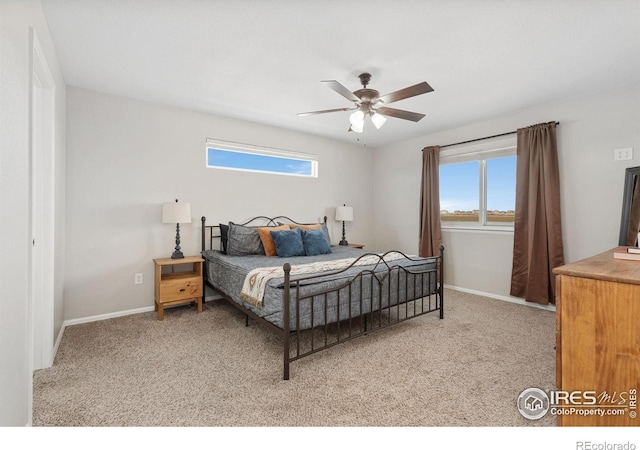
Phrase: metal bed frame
pixel 298 343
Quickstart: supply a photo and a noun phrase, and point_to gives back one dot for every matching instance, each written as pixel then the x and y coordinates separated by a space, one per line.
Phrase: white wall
pixel 591 186
pixel 125 158
pixel 17 18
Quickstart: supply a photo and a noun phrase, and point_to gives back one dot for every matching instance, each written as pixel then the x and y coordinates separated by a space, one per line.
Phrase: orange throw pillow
pixel 267 240
pixel 314 226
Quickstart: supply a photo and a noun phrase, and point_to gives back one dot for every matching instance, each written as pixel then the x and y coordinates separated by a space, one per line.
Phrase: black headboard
pixel 209 233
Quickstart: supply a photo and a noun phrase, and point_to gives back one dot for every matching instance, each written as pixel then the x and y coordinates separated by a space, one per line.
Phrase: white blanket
pixel 256 280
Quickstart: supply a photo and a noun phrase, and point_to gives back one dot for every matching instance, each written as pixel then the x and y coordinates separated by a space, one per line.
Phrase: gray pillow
pixel 242 241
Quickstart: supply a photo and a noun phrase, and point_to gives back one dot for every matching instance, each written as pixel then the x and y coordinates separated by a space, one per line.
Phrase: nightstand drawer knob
pixel 182 290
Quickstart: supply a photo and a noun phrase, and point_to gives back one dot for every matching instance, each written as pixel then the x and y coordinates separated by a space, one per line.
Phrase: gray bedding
pixel 227 273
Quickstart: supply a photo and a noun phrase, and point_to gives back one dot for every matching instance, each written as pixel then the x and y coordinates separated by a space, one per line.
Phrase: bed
pixel 321 295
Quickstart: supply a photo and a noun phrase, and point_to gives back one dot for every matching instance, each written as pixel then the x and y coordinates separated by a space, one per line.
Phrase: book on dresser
pixel 626 254
pixel 633 250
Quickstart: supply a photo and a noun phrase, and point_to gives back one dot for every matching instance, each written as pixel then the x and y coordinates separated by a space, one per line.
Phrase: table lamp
pixel 176 213
pixel 345 214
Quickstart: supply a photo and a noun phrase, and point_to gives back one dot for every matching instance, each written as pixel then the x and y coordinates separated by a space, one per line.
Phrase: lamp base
pixel 177 255
pixel 343 242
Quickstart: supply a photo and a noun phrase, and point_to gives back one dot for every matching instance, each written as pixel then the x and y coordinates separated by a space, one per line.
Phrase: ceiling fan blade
pixel 310 113
pixel 340 89
pixel 400 114
pixel 411 91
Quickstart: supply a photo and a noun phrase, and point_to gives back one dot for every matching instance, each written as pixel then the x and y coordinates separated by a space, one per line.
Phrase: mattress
pixel 329 296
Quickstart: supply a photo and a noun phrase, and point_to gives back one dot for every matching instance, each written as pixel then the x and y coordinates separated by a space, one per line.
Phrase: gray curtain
pixel 430 230
pixel 537 246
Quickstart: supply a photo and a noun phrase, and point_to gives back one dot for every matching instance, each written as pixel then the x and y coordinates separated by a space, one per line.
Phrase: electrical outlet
pixel 138 278
pixel 622 154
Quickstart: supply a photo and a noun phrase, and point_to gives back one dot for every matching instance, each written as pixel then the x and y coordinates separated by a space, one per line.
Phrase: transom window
pixel 478 188
pixel 251 158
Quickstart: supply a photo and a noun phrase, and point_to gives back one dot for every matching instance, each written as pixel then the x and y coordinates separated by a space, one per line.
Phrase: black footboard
pixel 374 299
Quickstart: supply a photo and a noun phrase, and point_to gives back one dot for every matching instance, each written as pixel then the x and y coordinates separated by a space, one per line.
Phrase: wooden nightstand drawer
pixel 179 288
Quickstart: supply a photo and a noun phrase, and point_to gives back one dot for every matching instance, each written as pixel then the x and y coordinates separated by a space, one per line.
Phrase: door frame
pixel 42 208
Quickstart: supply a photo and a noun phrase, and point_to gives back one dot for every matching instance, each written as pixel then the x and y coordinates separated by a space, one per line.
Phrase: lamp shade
pixel 344 213
pixel 357 121
pixel 378 120
pixel 176 212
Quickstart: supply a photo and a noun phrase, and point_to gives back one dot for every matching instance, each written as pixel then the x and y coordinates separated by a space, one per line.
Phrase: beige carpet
pixel 210 370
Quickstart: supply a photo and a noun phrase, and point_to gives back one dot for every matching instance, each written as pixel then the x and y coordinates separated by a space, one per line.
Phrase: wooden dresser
pixel 598 340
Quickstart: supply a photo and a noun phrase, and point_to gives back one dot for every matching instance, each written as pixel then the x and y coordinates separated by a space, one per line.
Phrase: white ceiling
pixel 263 60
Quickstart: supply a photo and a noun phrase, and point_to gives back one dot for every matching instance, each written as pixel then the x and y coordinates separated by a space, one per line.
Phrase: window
pixel 478 189
pixel 250 158
pixel 459 195
pixel 501 189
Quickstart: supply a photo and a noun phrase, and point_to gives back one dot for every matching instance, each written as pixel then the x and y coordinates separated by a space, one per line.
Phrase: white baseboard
pixel 506 298
pixel 56 346
pixel 107 316
pixel 208 297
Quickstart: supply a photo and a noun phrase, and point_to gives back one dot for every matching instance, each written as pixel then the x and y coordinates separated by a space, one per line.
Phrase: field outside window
pixel 479 192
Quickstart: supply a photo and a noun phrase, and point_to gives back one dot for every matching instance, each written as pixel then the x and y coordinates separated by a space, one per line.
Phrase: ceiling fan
pixel 369 102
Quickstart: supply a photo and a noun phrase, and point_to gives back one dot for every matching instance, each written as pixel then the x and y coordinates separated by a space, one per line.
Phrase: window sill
pixel 480 229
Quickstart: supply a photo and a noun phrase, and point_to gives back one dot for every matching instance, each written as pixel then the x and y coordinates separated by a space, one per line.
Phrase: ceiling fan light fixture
pixel 358 128
pixel 378 120
pixel 357 117
pixel 357 121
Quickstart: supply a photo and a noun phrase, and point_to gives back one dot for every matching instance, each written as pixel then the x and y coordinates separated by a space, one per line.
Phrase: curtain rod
pixel 483 138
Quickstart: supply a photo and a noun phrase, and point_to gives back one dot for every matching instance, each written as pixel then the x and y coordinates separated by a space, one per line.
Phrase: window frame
pixel 480 152
pixel 250 149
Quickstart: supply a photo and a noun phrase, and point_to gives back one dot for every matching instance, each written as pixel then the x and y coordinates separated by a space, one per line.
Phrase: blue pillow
pixel 288 242
pixel 315 242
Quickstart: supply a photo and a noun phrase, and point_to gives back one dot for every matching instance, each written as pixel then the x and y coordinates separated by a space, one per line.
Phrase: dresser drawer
pixel 180 288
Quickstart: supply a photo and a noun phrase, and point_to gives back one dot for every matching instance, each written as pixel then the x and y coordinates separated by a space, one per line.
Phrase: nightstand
pixel 350 245
pixel 180 285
